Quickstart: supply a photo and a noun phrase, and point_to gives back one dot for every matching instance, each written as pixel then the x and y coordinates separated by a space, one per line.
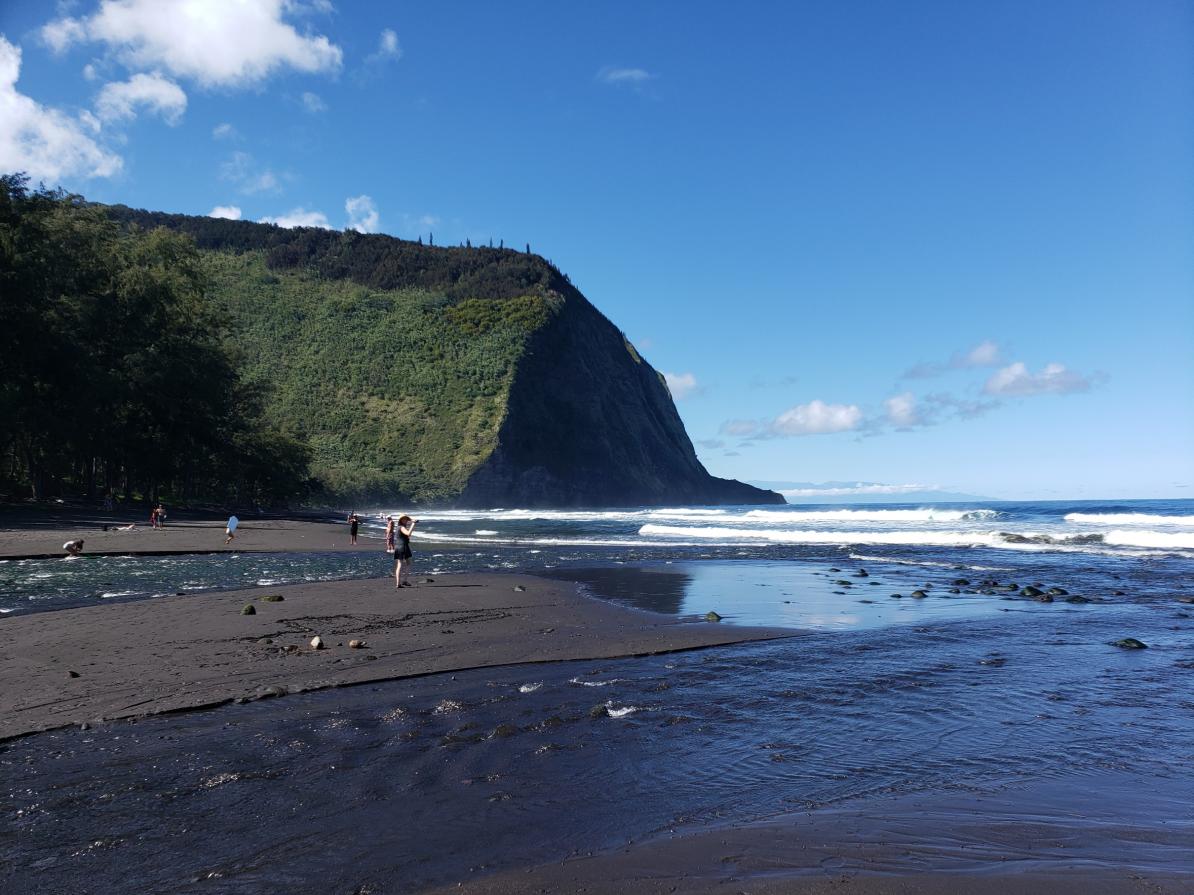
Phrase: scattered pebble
pixel 317 642
pixel 248 609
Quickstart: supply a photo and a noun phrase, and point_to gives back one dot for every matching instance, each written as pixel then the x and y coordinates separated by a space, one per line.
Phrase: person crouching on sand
pixel 73 548
pixel 230 530
pixel 402 554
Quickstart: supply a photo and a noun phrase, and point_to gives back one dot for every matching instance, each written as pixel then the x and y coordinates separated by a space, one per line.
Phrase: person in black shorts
pixel 354 522
pixel 402 554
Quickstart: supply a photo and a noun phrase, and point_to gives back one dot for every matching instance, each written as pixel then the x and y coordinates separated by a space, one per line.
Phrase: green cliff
pixel 461 376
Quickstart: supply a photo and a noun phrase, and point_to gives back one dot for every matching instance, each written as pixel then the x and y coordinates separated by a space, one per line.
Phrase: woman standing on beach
pixel 354 522
pixel 389 534
pixel 402 554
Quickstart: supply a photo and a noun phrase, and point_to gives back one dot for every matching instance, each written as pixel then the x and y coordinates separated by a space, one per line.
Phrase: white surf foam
pixel 581 683
pixel 530 688
pixel 1155 539
pixel 622 712
pixel 921 515
pixel 1128 519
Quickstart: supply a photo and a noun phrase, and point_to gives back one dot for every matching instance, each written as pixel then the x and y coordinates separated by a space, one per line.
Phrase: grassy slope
pixel 399 392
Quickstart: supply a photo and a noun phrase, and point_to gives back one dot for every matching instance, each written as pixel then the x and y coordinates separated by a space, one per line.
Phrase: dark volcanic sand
pixel 134 659
pixel 44 536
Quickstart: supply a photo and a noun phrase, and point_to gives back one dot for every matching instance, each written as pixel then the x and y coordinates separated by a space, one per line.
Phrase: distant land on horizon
pixel 863 492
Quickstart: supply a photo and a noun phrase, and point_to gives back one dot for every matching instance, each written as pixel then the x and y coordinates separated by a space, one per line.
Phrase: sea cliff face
pixel 472 377
pixel 590 423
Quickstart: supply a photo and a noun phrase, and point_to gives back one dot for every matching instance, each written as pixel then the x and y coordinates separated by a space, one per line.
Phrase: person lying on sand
pixel 132 526
pixel 73 548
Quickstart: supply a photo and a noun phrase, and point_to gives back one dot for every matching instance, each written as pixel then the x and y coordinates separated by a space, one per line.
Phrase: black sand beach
pixel 501 733
pixel 174 653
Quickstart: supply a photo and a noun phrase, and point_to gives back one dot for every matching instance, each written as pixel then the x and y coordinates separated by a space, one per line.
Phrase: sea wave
pixel 1155 539
pixel 921 515
pixel 1128 519
pixel 932 538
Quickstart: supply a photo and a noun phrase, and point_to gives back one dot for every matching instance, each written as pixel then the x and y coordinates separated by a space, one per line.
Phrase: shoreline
pixel 126 661
pixel 181 536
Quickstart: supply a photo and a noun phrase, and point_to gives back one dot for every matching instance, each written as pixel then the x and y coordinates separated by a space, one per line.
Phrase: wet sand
pixel 993 844
pixel 129 660
pixel 42 536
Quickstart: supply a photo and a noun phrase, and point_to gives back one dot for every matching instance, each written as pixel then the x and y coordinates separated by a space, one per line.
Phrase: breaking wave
pixel 1128 519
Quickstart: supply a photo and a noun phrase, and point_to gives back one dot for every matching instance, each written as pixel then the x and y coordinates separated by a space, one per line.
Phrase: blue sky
pixel 931 243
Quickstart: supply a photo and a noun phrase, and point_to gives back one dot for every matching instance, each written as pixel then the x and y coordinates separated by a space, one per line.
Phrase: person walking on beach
pixel 402 554
pixel 153 518
pixel 389 534
pixel 161 516
pixel 231 529
pixel 354 522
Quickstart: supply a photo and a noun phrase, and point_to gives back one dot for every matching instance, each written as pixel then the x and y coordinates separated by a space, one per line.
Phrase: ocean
pixel 981 725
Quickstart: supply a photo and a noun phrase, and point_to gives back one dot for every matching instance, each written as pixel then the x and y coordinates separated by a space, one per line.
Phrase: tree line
pixel 115 378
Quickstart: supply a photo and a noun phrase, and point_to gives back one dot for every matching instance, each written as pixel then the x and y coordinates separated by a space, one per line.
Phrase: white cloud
pixel 387 45
pixel 902 412
pixel 614 75
pixel 813 418
pixel 90 72
pixel 240 170
pixel 388 50
pixel 984 354
pixel 60 34
pixel 119 100
pixel 1015 380
pixel 740 428
pixel 231 212
pixel 223 131
pixel 817 418
pixel 45 143
pixel 362 214
pixel 299 217
pixel 313 103
pixel 681 385
pixel 217 43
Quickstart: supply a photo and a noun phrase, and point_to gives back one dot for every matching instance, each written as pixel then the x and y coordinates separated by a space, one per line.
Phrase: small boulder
pixel 599 711
pixel 897 596
pixel 835 570
pixel 862 573
pixel 72 674
pixel 504 730
pixel 712 616
pixel 843 583
pixel 317 642
pixel 1057 592
pixel 518 588
pixel 1185 599
pixel 1074 598
pixel 356 644
pixel 1031 591
pixel 272 598
pixel 961 582
pixel 248 609
pixel 1130 643
pixel 426 581
pixel 918 595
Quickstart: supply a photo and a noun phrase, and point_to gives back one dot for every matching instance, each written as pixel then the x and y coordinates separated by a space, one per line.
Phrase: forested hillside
pixel 199 358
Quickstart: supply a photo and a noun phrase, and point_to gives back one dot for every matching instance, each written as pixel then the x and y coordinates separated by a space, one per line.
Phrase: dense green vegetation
pixel 197 359
pixel 113 374
pixel 398 393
